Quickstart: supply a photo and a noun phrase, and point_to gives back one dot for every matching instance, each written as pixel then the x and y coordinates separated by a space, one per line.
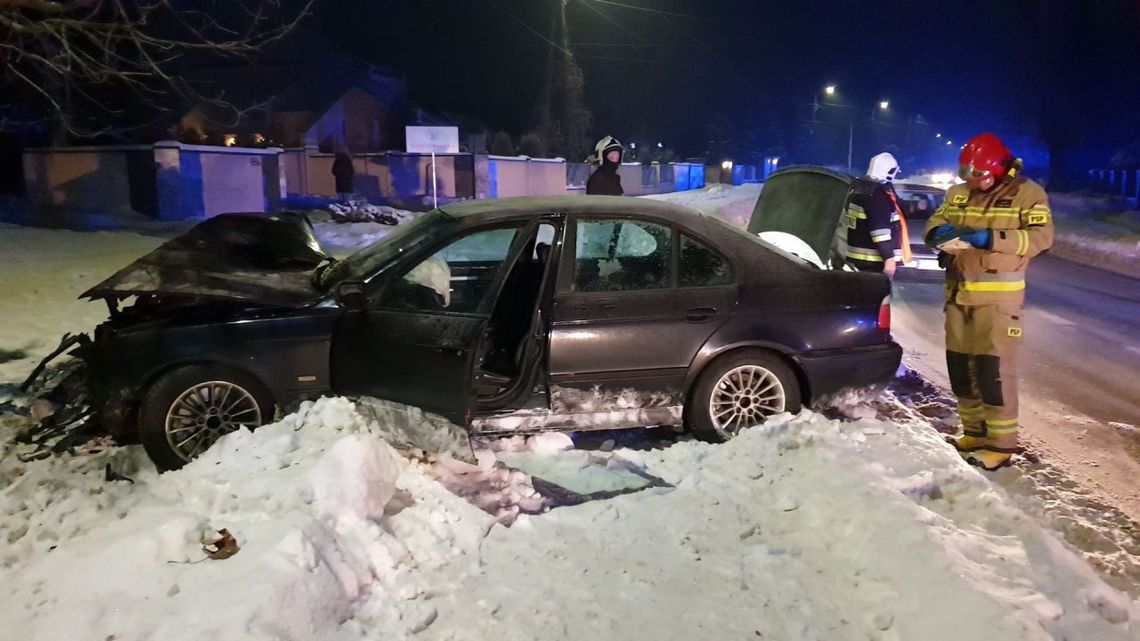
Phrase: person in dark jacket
pixel 874 222
pixel 344 173
pixel 606 180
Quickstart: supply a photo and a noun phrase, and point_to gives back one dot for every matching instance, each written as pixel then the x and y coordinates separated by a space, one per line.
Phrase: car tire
pixel 186 410
pixel 743 388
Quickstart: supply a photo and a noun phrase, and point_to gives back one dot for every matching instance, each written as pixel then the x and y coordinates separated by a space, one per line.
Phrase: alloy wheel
pixel 744 397
pixel 206 412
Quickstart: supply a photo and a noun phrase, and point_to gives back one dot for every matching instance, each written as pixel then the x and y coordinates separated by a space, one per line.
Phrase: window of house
pixel 456 278
pixel 621 255
pixel 701 265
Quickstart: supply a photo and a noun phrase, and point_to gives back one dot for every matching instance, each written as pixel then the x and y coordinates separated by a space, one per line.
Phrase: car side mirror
pixel 351 296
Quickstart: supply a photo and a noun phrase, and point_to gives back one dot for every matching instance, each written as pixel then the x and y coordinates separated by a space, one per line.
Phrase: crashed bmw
pixel 502 316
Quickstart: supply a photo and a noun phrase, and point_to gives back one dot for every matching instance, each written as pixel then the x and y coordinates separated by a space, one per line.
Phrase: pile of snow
pixel 361 211
pixel 732 203
pixel 808 528
pixel 340 238
pixel 805 529
pixel 339 535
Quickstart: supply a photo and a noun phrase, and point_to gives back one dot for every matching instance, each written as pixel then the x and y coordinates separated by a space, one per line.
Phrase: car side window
pixel 701 265
pixel 621 255
pixel 455 278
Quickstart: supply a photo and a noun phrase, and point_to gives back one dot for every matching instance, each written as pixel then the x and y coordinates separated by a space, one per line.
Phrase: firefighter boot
pixel 989 460
pixel 966 443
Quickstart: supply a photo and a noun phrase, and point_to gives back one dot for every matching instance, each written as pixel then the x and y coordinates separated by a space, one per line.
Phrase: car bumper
pixel 830 371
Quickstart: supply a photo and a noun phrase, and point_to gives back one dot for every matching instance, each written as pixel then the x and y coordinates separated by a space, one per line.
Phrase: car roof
pixel 537 205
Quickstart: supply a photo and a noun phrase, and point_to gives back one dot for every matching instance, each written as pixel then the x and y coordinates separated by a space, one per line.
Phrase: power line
pixel 630 44
pixel 651 10
pixel 612 21
pixel 529 28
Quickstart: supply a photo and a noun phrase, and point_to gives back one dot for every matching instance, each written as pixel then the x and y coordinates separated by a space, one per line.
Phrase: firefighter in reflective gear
pixel 874 222
pixel 991 226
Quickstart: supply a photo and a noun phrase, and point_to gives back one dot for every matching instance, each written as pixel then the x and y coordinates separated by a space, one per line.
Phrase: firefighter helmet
pixel 983 156
pixel 604 146
pixel 883 168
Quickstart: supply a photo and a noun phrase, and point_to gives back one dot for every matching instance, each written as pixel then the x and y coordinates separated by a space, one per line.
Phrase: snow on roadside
pixel 808 528
pixel 42 273
pixel 339 535
pixel 731 203
pixel 1097 231
pixel 805 529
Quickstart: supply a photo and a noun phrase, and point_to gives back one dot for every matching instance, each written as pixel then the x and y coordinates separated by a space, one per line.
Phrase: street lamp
pixel 829 90
pixel 884 105
pixel 937 135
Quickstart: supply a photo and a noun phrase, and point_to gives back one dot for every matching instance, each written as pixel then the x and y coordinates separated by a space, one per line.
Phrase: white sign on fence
pixel 432 140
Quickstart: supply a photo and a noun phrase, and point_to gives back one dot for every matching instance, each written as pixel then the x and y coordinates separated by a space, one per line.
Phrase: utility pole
pixel 850 142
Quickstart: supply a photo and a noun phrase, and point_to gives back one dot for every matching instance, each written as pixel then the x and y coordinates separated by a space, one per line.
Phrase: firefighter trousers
pixel 982 342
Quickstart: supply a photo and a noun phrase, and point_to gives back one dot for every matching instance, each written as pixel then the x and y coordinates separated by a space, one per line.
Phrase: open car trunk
pixel 806 203
pixel 251 258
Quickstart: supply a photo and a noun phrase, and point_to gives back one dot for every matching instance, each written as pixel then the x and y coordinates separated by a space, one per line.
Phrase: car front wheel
pixel 739 391
pixel 186 410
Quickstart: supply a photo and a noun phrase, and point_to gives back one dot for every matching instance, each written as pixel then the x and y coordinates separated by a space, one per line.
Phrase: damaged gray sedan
pixel 503 316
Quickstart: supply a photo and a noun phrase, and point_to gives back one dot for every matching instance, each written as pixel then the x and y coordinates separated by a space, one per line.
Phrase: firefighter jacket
pixel 1017 212
pixel 606 181
pixel 873 224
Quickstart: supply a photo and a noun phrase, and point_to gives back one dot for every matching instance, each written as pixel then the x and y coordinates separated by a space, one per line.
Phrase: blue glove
pixel 980 238
pixel 941 234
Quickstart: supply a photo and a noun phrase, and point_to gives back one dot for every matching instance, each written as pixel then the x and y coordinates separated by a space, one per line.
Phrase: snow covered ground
pixel 1097 231
pixel 809 528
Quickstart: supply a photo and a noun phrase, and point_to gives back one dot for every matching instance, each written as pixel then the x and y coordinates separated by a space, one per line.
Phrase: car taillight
pixel 884 321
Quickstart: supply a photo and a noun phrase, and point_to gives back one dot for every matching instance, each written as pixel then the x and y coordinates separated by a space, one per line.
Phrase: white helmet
pixel 883 168
pixel 607 144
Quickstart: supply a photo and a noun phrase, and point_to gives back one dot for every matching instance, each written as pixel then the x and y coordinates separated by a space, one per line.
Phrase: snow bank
pixel 345 238
pixel 732 203
pixel 325 548
pixel 1097 231
pixel 805 529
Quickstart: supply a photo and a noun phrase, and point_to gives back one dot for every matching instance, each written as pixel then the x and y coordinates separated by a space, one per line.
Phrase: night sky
pixel 1060 72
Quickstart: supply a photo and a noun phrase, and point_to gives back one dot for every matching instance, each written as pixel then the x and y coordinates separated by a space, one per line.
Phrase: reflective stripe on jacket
pixel 1017 211
pixel 872 223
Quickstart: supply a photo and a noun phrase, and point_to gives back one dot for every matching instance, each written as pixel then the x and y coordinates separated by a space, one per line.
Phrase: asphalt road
pixel 1082 335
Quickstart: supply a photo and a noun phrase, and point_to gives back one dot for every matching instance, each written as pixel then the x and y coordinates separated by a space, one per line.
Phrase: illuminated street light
pixel 829 90
pixel 949 142
pixel 726 164
pixel 937 135
pixel 659 145
pixel 884 105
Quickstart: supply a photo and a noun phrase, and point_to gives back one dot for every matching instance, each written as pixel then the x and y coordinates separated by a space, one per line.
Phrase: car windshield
pixel 365 263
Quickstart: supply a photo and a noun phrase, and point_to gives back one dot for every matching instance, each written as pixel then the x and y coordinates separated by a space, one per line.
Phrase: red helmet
pixel 983 156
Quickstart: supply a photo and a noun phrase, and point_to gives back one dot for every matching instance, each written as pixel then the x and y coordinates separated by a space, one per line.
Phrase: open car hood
pixel 253 258
pixel 805 202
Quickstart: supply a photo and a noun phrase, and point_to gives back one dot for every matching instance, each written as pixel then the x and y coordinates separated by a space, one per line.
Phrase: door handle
pixel 700 314
pixel 451 344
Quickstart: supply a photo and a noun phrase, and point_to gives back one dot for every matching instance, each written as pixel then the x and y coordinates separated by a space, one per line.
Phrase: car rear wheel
pixel 186 410
pixel 740 391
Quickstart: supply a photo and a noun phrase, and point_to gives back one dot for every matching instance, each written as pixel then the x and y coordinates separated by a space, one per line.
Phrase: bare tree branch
pixel 88 62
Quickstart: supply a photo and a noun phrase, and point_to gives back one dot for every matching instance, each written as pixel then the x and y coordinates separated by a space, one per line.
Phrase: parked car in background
pixel 504 316
pixel 919 201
